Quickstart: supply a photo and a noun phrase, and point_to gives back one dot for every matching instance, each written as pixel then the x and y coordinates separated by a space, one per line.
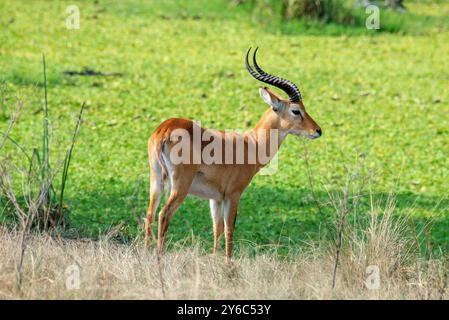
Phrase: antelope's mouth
pixel 316 135
pixel 307 135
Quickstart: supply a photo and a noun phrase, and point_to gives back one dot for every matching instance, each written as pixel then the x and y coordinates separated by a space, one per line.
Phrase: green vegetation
pixel 336 17
pixel 382 102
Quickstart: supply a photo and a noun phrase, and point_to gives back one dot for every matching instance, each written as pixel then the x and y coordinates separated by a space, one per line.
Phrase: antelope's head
pixel 292 114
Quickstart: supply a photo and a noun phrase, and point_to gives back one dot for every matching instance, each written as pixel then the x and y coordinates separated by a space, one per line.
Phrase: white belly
pixel 201 189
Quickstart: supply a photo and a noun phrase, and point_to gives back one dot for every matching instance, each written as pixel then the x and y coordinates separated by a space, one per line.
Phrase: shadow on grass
pixel 268 216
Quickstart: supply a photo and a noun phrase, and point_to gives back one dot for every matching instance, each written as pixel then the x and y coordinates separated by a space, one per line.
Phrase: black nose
pixel 318 131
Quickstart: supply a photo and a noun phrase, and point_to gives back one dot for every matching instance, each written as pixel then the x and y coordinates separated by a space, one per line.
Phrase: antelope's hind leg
pixel 181 180
pixel 156 190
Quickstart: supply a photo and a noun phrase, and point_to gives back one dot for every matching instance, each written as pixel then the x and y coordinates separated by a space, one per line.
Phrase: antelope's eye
pixel 297 112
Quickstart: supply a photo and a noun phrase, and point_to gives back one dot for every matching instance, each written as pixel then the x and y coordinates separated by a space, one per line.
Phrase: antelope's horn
pixel 285 85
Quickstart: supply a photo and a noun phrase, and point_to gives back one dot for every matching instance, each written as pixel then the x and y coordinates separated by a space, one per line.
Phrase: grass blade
pixel 67 160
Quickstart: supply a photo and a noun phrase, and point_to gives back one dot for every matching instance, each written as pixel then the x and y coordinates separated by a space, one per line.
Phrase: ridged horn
pixel 285 85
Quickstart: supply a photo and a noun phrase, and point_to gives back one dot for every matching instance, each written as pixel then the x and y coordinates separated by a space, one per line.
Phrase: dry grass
pixel 115 271
pixel 40 264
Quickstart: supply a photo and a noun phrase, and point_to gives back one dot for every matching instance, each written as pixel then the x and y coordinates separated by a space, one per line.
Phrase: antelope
pixel 221 183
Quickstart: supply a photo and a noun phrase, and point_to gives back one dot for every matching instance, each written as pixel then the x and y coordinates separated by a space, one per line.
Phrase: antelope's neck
pixel 268 132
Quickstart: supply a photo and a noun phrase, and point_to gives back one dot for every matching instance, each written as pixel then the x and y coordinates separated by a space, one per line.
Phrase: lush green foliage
pixel 327 11
pixel 336 17
pixel 382 102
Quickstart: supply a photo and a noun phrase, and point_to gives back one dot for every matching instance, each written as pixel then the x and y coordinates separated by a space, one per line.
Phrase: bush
pixel 38 202
pixel 327 11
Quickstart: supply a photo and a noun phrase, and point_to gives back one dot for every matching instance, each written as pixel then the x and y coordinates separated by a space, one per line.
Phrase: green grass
pixel 384 98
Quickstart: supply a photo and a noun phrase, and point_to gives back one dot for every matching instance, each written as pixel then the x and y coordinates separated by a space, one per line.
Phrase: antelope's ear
pixel 271 99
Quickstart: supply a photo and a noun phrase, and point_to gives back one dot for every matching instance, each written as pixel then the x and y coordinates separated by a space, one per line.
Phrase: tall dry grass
pixel 109 270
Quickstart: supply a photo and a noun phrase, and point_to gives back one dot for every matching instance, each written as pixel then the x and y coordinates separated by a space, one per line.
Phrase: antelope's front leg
pixel 217 221
pixel 230 216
